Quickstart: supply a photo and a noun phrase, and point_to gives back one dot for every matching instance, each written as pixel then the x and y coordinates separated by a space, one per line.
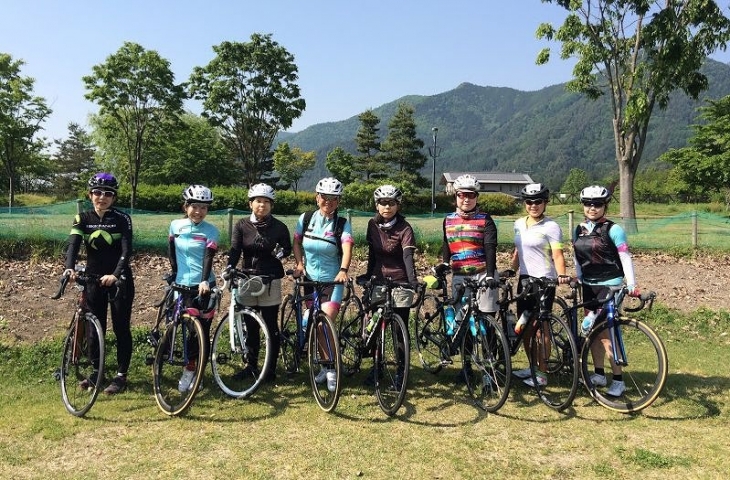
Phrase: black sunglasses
pixel 538 201
pixel 386 202
pixel 469 195
pixel 594 204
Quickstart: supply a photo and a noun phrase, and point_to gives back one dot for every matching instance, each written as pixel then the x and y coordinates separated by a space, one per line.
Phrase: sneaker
pixel 616 389
pixel 89 383
pixel 524 373
pixel 117 385
pixel 321 376
pixel 598 380
pixel 331 380
pixel 186 379
pixel 541 380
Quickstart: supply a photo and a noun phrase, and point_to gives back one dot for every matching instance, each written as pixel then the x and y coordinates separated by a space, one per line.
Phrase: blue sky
pixel 351 55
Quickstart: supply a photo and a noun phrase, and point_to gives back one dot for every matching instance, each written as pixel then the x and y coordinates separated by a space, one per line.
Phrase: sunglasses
pixel 469 195
pixel 594 204
pixel 329 198
pixel 538 201
pixel 388 203
pixel 102 193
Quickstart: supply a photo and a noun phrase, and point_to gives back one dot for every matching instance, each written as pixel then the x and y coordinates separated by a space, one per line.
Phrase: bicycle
pixel 350 321
pixel 241 344
pixel 82 364
pixel 551 348
pixel 173 355
pixel 311 332
pixel 632 345
pixel 484 350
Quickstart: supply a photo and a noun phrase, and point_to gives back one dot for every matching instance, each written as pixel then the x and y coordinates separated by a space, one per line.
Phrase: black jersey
pixel 107 240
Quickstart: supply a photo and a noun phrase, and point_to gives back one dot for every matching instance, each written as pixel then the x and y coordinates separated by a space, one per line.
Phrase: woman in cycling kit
pixel 193 243
pixel 263 241
pixel 107 237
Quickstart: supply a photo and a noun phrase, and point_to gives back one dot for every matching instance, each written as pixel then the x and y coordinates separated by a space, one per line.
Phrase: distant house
pixel 491 182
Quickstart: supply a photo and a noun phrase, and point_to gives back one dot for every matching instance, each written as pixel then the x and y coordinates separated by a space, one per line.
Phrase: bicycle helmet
pixel 534 191
pixel 261 190
pixel 103 180
pixel 389 192
pixel 466 182
pixel 197 194
pixel 595 193
pixel 329 186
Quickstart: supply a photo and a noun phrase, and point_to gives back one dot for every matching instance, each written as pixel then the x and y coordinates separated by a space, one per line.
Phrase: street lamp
pixel 434 151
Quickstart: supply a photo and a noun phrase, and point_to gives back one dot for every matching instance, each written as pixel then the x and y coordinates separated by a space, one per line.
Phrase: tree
pixel 576 181
pixel 291 163
pixel 135 88
pixel 638 52
pixel 402 148
pixel 370 162
pixel 341 165
pixel 248 91
pixel 74 160
pixel 21 115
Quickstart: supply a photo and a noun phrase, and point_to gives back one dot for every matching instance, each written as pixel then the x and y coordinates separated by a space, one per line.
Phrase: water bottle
pixel 522 322
pixel 511 321
pixel 472 325
pixel 373 321
pixel 305 318
pixel 588 322
pixel 450 319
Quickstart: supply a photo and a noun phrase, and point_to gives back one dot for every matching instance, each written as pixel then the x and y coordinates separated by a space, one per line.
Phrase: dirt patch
pixel 29 314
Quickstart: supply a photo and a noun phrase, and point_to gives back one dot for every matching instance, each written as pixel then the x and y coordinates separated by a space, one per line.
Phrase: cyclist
pixel 192 245
pixel 323 251
pixel 602 260
pixel 391 248
pixel 107 237
pixel 538 253
pixel 470 246
pixel 263 241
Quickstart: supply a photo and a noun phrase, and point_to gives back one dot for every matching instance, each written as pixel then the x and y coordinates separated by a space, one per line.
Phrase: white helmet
pixel 466 182
pixel 329 186
pixel 197 194
pixel 595 193
pixel 388 191
pixel 261 190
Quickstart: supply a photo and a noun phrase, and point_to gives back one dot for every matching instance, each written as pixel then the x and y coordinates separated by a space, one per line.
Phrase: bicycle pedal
pixel 446 361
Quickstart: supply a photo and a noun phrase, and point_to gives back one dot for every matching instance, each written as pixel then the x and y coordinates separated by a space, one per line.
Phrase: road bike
pixel 240 356
pixel 631 345
pixel 306 330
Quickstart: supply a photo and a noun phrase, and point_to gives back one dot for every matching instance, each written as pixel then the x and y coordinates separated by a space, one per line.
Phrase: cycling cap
pixel 197 194
pixel 261 190
pixel 104 181
pixel 466 182
pixel 535 190
pixel 329 186
pixel 595 193
pixel 388 191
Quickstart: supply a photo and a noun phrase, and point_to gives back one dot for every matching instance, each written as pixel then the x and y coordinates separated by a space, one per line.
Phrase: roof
pixel 491 177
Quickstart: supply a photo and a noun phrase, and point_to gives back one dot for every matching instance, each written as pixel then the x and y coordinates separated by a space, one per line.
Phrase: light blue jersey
pixel 191 242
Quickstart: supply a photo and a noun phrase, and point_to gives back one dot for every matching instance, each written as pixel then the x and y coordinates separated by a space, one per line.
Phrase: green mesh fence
pixel 53 223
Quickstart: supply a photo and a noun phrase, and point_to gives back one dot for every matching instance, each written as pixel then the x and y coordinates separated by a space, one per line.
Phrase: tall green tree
pixel 576 181
pixel 370 163
pixel 291 163
pixel 638 52
pixel 249 91
pixel 73 160
pixel 402 148
pixel 136 89
pixel 341 164
pixel 21 116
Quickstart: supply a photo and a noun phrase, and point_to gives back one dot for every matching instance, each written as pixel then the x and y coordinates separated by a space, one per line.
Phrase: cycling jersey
pixel 192 248
pixel 535 245
pixel 596 246
pixel 321 255
pixel 107 241
pixel 470 244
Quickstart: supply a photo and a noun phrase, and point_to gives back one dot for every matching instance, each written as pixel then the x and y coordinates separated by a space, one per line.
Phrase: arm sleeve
pixel 409 249
pixel 171 254
pixel 445 250
pixel 576 264
pixel 74 244
pixel 618 236
pixel 126 244
pixel 234 254
pixel 208 263
pixel 490 245
pixel 371 254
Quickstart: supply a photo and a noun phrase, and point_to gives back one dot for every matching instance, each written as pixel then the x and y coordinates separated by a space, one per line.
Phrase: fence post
pixel 694 229
pixel 230 225
pixel 571 229
pixel 349 216
pixel 79 202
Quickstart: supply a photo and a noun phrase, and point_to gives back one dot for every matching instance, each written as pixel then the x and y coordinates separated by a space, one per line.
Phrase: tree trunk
pixel 626 190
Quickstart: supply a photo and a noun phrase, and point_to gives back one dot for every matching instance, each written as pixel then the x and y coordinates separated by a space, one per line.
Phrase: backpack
pixel 339 228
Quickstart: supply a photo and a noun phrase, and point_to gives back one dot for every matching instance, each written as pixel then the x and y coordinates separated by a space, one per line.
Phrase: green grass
pixel 281 433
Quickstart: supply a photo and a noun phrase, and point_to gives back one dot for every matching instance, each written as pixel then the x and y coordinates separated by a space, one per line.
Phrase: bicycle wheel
pixel 241 353
pixel 325 364
pixel 392 354
pixel 644 373
pixel 554 358
pixel 429 335
pixel 171 360
pixel 349 330
pixel 489 378
pixel 289 350
pixel 82 366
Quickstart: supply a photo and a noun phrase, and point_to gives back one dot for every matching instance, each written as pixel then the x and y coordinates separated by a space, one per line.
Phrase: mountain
pixel 544 133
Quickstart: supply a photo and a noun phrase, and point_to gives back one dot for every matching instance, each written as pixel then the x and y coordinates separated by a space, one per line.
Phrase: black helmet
pixel 534 191
pixel 103 180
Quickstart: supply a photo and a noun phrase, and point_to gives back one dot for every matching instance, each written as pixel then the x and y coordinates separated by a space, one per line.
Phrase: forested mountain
pixel 544 133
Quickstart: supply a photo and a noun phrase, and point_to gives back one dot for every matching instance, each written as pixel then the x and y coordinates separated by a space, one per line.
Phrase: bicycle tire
pixel 322 333
pixel 489 379
pixel 429 336
pixel 79 362
pixel 238 366
pixel 392 365
pixel 289 342
pixel 170 362
pixel 646 372
pixel 349 329
pixel 561 363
